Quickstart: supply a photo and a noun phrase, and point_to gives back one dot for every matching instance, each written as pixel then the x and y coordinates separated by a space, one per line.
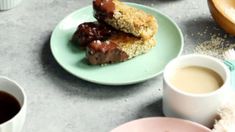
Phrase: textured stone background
pixel 60 102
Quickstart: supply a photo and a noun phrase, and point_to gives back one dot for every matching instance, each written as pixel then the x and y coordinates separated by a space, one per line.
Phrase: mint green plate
pixel 170 45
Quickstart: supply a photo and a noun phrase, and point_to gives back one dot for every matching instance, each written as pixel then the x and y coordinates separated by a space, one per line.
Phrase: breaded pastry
pixel 105 44
pixel 125 18
pixel 119 47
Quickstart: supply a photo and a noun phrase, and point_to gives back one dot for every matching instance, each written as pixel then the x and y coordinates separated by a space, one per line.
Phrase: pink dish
pixel 161 124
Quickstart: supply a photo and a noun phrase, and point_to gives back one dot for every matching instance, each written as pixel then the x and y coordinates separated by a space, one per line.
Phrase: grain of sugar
pixel 215 47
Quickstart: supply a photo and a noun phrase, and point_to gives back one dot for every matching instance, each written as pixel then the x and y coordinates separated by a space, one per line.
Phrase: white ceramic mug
pixel 15 124
pixel 8 4
pixel 200 108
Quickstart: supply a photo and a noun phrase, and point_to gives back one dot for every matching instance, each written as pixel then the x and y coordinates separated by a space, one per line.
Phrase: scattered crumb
pixel 215 47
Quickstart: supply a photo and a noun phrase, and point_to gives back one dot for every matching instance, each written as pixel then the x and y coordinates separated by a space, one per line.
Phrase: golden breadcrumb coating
pixel 132 45
pixel 132 20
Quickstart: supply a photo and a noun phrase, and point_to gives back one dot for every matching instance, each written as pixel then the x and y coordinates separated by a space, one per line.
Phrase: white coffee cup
pixel 8 4
pixel 201 108
pixel 15 124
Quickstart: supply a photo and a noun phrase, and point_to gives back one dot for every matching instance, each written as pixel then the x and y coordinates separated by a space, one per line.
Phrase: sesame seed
pixel 215 47
pixel 98 41
pixel 107 42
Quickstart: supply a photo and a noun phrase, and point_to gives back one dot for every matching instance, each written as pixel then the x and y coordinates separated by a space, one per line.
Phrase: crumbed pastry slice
pixel 125 18
pixel 119 47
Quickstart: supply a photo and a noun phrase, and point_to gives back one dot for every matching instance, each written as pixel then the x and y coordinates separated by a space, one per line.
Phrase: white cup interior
pixel 196 60
pixel 15 124
pixel 13 89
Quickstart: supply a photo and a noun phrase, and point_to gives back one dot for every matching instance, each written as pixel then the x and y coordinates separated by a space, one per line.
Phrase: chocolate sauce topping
pixel 103 47
pixel 100 46
pixel 90 31
pixel 103 9
pixel 105 52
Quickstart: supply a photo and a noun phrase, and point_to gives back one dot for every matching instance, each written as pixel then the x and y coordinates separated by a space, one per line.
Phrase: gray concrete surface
pixel 60 102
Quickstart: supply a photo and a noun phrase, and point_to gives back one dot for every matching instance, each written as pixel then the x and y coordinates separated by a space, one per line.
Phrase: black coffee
pixel 9 106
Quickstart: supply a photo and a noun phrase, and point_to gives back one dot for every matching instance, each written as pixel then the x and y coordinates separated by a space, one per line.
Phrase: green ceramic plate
pixel 141 68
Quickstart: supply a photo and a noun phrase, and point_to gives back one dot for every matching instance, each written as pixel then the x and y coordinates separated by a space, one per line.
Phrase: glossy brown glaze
pixel 103 9
pixel 90 31
pixel 104 52
pixel 100 46
pixel 100 42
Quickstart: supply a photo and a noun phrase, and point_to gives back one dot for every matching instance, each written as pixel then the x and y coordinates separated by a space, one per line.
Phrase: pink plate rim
pixel 162 118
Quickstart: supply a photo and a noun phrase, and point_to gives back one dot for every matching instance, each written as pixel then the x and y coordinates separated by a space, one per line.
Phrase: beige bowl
pixel 223 11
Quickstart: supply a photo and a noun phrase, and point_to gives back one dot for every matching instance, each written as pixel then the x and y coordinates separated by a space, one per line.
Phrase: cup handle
pixel 231 66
